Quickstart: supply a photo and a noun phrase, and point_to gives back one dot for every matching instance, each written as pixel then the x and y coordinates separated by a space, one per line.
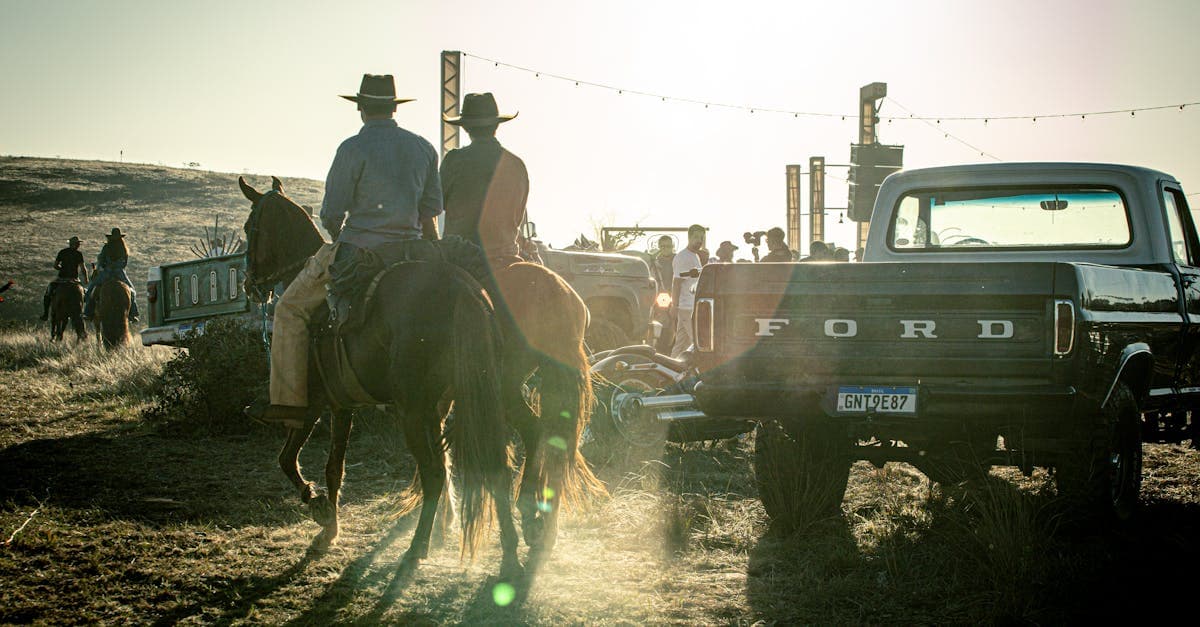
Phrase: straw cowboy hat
pixel 478 110
pixel 116 232
pixel 379 88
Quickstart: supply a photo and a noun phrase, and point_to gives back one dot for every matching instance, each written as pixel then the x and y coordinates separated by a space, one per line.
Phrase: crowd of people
pixel 678 272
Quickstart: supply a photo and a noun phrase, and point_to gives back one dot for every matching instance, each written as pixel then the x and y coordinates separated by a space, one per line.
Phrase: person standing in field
pixel 685 269
pixel 69 264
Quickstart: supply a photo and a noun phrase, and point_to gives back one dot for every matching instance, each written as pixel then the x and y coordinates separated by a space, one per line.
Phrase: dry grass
pixel 143 523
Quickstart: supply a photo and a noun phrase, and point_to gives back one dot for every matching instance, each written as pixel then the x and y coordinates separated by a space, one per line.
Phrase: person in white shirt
pixel 683 297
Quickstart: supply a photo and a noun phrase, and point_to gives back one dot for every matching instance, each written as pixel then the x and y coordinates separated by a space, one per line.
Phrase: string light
pixel 945 134
pixel 797 114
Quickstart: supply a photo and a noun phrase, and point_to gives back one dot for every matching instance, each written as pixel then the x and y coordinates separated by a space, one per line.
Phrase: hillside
pixel 163 211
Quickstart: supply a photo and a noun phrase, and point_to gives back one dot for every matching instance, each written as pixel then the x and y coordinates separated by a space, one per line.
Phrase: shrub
pixel 221 372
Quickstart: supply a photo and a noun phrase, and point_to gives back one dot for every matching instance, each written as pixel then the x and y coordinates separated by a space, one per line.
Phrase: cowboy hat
pixel 478 110
pixel 379 88
pixel 116 232
pixel 74 240
pixel 727 245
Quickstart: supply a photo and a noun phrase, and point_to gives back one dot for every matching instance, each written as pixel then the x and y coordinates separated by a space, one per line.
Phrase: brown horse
pixel 66 306
pixel 430 332
pixel 113 299
pixel 544 324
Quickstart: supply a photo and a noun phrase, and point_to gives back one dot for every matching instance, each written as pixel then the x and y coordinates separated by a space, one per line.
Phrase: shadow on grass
pixel 984 552
pixel 162 477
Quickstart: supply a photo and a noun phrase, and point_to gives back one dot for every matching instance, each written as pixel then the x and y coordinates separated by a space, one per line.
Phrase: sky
pixel 252 87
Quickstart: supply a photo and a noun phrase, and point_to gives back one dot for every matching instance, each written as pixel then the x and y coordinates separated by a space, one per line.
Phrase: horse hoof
pixel 533 530
pixel 322 511
pixel 511 571
pixel 323 541
pixel 411 560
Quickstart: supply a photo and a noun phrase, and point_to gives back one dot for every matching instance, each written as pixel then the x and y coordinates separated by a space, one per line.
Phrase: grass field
pixel 115 518
pixel 163 211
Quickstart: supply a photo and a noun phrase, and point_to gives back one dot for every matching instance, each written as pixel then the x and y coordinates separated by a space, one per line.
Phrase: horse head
pixel 280 237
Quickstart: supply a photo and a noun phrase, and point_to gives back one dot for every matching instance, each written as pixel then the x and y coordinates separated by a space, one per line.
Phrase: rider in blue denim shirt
pixel 110 263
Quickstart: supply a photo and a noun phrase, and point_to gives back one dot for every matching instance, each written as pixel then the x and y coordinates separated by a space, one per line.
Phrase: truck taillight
pixel 702 324
pixel 1064 327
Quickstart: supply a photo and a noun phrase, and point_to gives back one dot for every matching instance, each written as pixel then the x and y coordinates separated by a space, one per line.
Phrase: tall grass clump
pixel 83 369
pixel 209 384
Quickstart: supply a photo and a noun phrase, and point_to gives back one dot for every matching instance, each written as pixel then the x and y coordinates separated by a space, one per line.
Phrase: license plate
pixel 856 399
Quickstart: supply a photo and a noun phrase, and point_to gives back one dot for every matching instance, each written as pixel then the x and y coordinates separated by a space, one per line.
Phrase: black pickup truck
pixel 1023 314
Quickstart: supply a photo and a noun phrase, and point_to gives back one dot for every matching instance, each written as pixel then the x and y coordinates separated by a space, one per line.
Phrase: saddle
pixel 354 279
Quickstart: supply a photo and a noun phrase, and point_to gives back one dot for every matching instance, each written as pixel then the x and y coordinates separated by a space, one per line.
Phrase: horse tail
pixel 113 312
pixel 566 404
pixel 478 432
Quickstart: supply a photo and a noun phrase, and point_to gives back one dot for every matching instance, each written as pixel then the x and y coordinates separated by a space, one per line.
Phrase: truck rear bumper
pixel 940 403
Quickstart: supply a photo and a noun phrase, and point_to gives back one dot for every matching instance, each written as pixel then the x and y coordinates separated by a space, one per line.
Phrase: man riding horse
pixel 484 185
pixel 382 188
pixel 69 264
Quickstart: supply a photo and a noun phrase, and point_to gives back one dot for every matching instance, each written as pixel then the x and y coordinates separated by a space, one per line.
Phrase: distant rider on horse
pixel 110 263
pixel 484 185
pixel 69 264
pixel 382 188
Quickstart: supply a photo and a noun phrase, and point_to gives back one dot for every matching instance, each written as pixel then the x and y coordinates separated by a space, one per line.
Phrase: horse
pixel 67 306
pixel 544 322
pixel 113 299
pixel 429 333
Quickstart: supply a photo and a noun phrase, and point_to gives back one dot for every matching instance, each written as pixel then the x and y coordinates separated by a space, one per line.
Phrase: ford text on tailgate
pixel 1008 314
pixel 183 295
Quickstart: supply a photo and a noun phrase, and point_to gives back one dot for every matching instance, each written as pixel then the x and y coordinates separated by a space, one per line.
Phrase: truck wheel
pixel 1104 473
pixel 801 471
pixel 615 432
pixel 604 335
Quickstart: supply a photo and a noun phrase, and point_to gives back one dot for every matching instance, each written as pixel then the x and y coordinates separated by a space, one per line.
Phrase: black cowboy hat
pixel 116 232
pixel 478 110
pixel 74 240
pixel 379 88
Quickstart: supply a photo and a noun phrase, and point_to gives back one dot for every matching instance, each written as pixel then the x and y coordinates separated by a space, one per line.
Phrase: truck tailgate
pixel 880 322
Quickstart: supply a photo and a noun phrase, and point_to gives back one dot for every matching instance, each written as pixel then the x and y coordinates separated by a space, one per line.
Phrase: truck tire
pixel 605 335
pixel 801 471
pixel 612 433
pixel 1103 474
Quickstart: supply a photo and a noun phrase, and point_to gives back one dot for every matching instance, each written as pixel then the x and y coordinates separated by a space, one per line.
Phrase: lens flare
pixel 503 594
pixel 663 300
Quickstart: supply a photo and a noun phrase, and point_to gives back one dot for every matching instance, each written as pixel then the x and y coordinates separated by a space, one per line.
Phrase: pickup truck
pixel 618 290
pixel 1022 314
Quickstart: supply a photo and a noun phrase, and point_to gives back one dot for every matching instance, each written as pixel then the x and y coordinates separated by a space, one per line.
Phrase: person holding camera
pixel 777 247
pixel 685 270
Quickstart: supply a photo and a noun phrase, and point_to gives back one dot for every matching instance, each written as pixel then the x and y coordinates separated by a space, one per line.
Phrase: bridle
pixel 260 287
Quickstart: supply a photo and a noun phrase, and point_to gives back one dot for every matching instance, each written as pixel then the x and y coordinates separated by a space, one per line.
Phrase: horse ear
pixel 276 184
pixel 251 194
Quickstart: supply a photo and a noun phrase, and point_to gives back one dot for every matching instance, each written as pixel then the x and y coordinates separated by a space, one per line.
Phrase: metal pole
pixel 816 200
pixel 793 206
pixel 451 95
pixel 868 99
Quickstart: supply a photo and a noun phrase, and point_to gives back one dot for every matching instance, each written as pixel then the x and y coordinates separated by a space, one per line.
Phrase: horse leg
pixel 422 432
pixel 500 487
pixel 324 508
pixel 289 461
pixel 525 423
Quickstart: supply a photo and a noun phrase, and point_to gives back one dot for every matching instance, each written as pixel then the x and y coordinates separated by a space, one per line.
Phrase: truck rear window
pixel 1010 218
